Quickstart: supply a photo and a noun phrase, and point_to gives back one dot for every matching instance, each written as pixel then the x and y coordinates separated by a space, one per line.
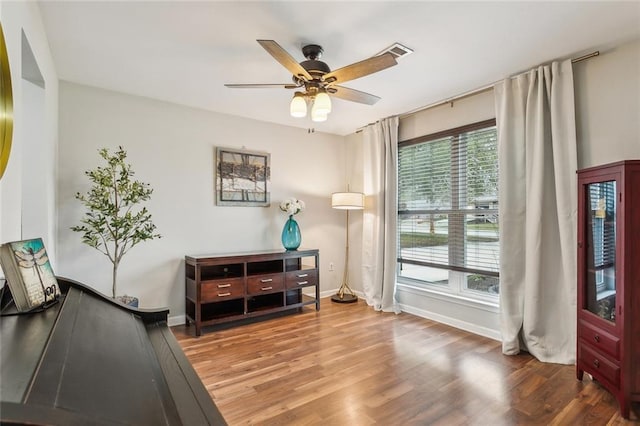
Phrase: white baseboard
pixel 453 322
pixel 175 320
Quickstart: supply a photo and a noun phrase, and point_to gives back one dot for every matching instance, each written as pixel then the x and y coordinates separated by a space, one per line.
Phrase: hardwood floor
pixel 350 365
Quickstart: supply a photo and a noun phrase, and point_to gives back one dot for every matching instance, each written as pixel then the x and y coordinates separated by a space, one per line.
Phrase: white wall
pixel 448 116
pixel 172 148
pixel 32 108
pixel 607 91
pixel 607 95
pixel 38 171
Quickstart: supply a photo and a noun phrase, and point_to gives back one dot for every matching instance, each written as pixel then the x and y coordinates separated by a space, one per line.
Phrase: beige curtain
pixel 538 202
pixel 379 238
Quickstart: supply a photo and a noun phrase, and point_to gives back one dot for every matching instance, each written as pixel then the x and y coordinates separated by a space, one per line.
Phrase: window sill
pixel 604 294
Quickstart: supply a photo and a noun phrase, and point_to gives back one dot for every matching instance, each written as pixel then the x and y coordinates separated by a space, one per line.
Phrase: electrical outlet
pixel 331 266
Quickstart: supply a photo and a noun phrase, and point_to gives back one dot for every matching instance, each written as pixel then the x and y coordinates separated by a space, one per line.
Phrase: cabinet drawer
pixel 214 291
pixel 306 277
pixel 599 339
pixel 598 364
pixel 265 283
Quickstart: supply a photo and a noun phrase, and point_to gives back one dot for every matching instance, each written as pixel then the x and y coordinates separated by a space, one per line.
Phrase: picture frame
pixel 29 274
pixel 243 177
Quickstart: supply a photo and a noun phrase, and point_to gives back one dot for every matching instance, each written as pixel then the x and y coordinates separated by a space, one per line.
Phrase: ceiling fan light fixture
pixel 322 102
pixel 298 106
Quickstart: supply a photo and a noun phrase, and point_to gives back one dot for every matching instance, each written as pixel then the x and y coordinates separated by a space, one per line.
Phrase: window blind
pixel 448 201
pixel 602 197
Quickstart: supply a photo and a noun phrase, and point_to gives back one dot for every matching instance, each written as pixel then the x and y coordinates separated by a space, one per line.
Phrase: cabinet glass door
pixel 601 249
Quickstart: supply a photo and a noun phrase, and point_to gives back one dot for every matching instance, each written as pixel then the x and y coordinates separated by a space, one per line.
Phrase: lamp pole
pixel 346 201
pixel 345 294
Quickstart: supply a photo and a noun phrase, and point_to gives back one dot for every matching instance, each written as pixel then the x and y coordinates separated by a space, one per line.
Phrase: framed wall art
pixel 242 177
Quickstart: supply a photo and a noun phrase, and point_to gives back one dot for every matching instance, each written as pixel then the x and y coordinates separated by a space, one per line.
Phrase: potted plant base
pixel 128 300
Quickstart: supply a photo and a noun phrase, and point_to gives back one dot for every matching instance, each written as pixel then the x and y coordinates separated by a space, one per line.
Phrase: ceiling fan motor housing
pixel 316 68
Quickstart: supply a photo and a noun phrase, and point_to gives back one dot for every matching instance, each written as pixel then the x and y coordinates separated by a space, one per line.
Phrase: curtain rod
pixel 482 89
pixel 475 92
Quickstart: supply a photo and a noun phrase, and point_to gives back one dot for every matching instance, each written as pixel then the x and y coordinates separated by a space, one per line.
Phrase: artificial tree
pixel 114 221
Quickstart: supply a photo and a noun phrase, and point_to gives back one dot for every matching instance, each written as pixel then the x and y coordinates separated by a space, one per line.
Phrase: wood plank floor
pixel 350 365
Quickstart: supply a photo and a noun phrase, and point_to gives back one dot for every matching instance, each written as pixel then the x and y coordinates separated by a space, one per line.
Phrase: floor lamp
pixel 346 201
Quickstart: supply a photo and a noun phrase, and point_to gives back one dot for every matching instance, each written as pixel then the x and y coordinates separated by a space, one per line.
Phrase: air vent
pixel 397 50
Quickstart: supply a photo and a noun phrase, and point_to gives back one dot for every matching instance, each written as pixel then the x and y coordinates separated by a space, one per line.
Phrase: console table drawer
pixel 265 283
pixel 599 364
pixel 296 279
pixel 601 340
pixel 222 289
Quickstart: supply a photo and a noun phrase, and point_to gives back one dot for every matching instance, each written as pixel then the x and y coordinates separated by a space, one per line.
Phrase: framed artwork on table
pixel 242 177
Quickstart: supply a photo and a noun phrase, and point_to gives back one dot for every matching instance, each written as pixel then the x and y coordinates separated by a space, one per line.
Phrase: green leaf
pixel 114 220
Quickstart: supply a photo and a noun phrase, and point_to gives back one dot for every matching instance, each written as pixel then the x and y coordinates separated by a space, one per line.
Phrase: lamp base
pixel 346 298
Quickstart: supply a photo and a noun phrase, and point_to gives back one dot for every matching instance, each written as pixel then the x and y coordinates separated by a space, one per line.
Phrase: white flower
pixel 292 206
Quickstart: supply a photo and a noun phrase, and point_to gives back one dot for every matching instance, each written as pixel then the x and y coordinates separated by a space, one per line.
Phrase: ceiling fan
pixel 318 81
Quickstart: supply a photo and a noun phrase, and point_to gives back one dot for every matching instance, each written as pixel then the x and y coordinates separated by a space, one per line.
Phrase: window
pixel 448 227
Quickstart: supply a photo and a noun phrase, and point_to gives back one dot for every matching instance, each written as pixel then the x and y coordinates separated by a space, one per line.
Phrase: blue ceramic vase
pixel 291 237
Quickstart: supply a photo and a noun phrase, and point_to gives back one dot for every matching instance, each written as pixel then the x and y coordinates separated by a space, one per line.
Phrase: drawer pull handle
pixel 224 285
pixel 224 294
pixel 596 363
pixel 303 282
pixel 266 280
pixel 302 275
pixel 596 338
pixel 266 288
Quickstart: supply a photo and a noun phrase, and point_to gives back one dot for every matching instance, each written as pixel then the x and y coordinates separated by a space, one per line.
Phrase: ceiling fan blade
pixel 285 59
pixel 263 86
pixel 353 95
pixel 360 69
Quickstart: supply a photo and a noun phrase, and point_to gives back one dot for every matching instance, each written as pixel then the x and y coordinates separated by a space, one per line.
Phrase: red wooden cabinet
pixel 609 278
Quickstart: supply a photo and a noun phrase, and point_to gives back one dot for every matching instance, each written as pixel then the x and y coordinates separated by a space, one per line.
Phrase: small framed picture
pixel 242 177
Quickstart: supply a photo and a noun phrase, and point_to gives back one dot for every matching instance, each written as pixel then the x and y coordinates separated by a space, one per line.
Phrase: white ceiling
pixel 184 52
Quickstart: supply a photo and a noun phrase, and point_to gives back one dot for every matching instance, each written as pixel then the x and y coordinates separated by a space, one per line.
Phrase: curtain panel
pixel 538 202
pixel 379 233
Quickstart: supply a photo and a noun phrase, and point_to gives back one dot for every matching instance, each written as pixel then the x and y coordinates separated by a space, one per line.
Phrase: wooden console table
pixel 229 287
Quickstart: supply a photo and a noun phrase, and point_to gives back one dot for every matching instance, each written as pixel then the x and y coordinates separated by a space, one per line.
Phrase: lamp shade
pixel 317 116
pixel 347 200
pixel 298 107
pixel 322 103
